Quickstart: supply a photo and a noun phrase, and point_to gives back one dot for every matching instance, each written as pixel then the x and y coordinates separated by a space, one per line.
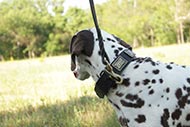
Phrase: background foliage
pixel 28 29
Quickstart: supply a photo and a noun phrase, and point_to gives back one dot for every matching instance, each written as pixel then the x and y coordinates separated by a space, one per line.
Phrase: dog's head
pixel 82 45
pixel 85 56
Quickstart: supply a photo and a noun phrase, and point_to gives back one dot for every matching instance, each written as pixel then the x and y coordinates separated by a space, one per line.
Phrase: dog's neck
pixel 97 66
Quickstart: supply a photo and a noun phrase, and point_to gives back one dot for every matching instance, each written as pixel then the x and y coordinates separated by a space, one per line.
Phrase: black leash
pixel 110 76
pixel 95 19
pixel 100 38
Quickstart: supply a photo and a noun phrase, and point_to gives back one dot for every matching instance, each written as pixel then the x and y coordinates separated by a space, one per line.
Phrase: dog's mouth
pixel 81 76
pixel 75 74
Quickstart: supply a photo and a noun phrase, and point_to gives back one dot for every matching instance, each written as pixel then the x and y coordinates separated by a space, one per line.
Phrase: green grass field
pixel 44 93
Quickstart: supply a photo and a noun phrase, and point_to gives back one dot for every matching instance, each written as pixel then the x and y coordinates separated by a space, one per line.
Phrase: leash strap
pixel 101 44
pixel 95 19
pixel 109 77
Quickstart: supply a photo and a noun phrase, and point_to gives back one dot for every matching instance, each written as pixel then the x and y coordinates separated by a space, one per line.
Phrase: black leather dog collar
pixel 104 83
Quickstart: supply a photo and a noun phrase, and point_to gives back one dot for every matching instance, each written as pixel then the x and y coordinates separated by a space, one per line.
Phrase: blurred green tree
pixel 31 28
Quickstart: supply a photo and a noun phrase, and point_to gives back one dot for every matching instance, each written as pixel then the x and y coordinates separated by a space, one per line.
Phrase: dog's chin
pixel 83 76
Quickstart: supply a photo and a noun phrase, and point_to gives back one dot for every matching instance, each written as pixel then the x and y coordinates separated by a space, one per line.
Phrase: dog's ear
pixel 82 43
pixel 123 43
pixel 71 43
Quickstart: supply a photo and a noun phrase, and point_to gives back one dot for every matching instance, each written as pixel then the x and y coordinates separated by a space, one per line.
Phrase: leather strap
pixel 100 38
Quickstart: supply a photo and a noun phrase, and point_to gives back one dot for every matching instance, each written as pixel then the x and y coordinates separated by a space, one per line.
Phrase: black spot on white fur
pixel 126 82
pixel 151 92
pixel 161 81
pixel 178 93
pixel 137 104
pixel 141 118
pixel 156 71
pixel 146 81
pixel 137 83
pixel 109 39
pixel 120 48
pixel 116 52
pixel 153 81
pixel 176 114
pixel 136 66
pixel 119 94
pixel 169 67
pixel 164 118
pixel 188 80
pixel 167 90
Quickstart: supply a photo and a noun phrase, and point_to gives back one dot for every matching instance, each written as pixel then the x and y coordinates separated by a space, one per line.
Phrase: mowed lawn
pixel 44 93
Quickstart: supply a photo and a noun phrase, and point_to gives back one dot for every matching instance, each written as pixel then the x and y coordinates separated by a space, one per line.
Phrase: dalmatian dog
pixel 152 94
